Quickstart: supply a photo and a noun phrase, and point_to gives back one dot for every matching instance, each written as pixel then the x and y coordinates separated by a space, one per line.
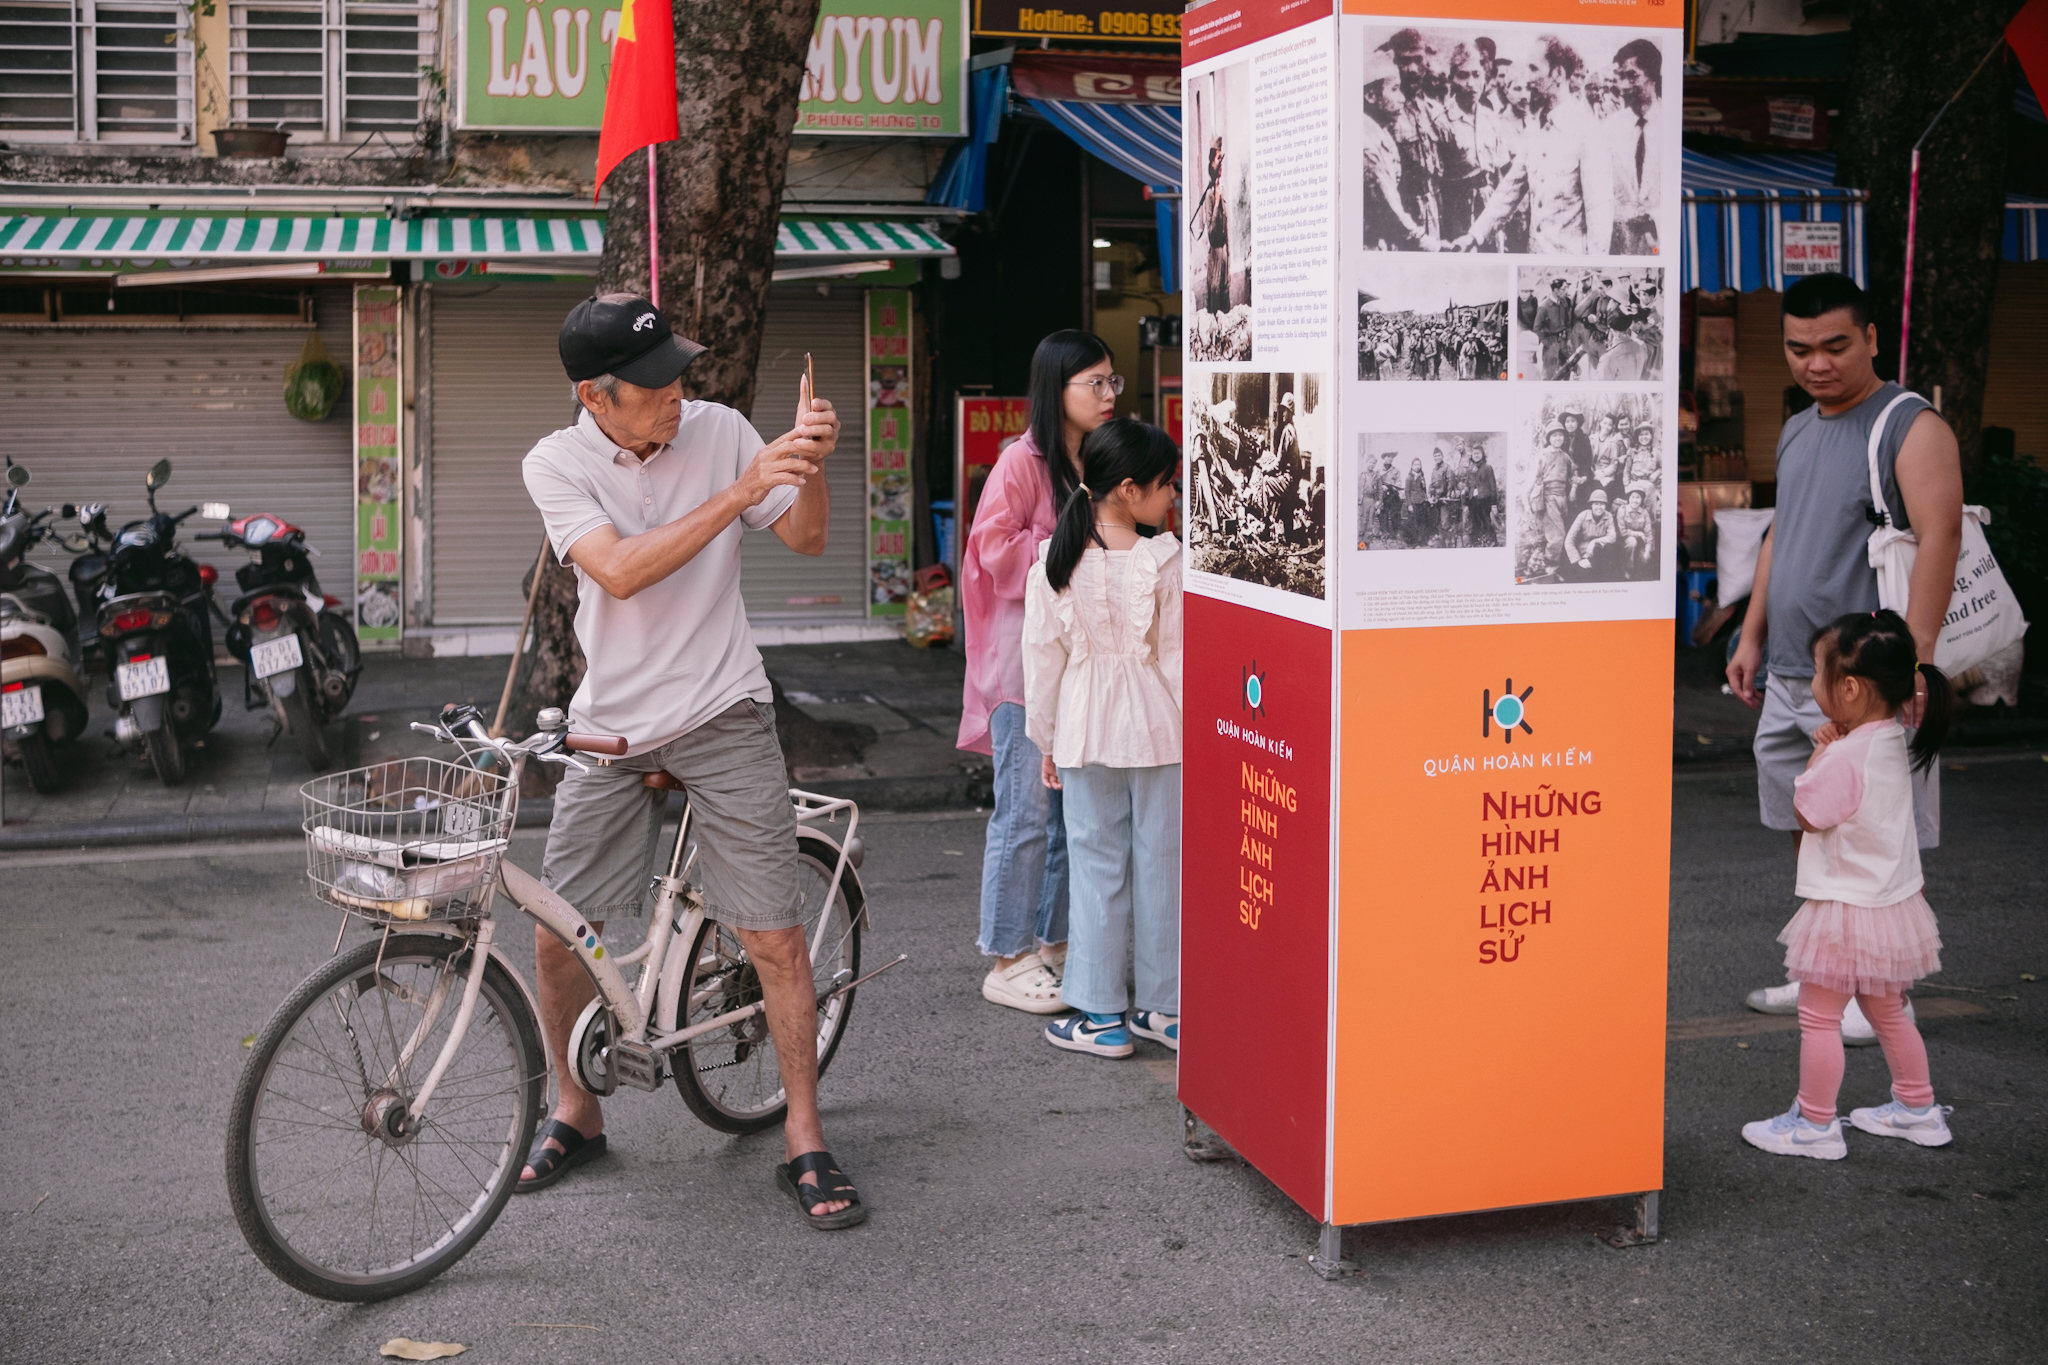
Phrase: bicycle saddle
pixel 661 781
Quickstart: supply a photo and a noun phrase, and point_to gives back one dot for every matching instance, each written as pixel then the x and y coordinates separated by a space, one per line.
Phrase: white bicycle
pixel 386 1109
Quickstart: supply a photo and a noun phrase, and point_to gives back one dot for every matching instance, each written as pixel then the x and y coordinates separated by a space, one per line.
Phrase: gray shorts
pixel 601 845
pixel 1784 744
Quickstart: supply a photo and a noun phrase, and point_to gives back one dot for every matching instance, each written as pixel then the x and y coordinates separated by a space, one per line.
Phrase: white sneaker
pixel 1024 985
pixel 1856 1030
pixel 1927 1127
pixel 1792 1134
pixel 1775 999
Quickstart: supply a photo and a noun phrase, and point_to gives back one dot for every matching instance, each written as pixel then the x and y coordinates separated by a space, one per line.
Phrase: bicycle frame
pixel 654 1001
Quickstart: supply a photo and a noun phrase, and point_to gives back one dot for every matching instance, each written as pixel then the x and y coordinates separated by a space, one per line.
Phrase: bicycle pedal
pixel 637 1065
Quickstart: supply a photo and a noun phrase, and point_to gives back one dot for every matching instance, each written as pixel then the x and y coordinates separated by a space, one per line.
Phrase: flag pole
pixel 653 235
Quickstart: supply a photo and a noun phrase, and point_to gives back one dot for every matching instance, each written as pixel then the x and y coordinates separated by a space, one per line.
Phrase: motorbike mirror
pixel 67 511
pixel 159 475
pixel 214 511
pixel 17 475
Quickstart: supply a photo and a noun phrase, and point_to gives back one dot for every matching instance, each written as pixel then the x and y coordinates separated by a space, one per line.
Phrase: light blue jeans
pixel 1123 840
pixel 1024 864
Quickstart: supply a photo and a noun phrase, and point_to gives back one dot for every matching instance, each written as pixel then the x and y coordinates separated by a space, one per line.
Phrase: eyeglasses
pixel 1111 386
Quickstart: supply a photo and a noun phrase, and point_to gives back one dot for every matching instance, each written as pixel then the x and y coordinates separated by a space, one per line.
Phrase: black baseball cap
pixel 625 335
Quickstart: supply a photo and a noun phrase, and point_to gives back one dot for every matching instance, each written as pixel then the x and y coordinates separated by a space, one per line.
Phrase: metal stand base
pixel 1197 1146
pixel 1329 1260
pixel 1644 1230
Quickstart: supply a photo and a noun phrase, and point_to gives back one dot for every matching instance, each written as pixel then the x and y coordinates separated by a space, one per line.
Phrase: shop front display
pixel 1430 525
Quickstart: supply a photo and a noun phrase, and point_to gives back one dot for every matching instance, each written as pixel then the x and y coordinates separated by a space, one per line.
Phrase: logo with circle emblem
pixel 1509 711
pixel 1254 690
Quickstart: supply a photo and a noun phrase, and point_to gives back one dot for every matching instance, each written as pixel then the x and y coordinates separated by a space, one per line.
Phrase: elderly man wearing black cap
pixel 648 495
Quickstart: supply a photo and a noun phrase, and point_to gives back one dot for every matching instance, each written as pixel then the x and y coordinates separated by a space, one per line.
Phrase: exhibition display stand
pixel 1431 436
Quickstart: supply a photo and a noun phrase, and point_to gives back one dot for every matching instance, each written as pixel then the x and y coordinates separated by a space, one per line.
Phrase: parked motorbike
pixel 149 604
pixel 42 696
pixel 298 643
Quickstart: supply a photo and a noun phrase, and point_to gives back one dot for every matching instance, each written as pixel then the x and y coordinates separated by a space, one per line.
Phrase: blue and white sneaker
pixel 1927 1127
pixel 1104 1035
pixel 1793 1134
pixel 1160 1028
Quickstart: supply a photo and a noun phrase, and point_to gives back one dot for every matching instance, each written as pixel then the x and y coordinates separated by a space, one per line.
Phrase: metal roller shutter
pixel 2014 395
pixel 498 387
pixel 780 586
pixel 89 411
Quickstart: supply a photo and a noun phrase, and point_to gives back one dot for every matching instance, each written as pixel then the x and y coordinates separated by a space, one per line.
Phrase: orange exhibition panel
pixel 1502 914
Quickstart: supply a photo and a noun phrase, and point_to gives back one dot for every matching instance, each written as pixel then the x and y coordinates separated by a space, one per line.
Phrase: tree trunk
pixel 1906 57
pixel 739 67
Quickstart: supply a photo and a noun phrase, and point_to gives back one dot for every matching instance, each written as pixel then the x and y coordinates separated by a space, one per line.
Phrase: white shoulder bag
pixel 1983 617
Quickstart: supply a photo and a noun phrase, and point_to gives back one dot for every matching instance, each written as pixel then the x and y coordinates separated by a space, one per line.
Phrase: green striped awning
pixel 30 240
pixel 808 240
pixel 294 239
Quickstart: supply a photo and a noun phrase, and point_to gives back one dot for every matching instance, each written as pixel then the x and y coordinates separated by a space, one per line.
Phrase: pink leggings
pixel 1820 1049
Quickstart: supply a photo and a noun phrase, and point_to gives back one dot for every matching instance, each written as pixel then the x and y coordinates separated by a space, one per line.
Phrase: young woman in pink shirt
pixel 1865 931
pixel 1024 865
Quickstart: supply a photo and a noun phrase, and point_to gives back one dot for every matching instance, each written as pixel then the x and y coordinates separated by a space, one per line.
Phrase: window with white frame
pixel 335 70
pixel 94 71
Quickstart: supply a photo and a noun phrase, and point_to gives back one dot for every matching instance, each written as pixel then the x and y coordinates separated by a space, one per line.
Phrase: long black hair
pixel 1121 448
pixel 1878 646
pixel 1059 357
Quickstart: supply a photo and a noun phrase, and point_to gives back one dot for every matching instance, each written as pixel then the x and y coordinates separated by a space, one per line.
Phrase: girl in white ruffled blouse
pixel 1102 660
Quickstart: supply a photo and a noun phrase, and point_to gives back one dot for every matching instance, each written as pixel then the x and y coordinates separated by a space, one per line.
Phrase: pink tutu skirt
pixel 1862 949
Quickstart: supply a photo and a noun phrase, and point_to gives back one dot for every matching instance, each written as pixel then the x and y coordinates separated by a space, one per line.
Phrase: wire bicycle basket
pixel 407 840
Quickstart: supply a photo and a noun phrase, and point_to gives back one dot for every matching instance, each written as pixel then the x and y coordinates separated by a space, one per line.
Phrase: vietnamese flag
pixel 2027 35
pixel 640 101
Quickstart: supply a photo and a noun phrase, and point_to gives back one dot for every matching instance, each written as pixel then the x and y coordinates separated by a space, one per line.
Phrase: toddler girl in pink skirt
pixel 1865 930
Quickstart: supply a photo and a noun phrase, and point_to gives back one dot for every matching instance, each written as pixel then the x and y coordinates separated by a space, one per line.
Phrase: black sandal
pixel 832 1186
pixel 550 1165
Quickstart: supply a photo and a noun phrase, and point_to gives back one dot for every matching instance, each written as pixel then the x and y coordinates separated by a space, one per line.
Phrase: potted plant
pixel 241 140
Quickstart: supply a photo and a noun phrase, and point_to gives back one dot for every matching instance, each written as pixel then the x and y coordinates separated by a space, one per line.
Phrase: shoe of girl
pixel 1160 1028
pixel 1025 984
pixel 1928 1127
pixel 1793 1134
pixel 1104 1035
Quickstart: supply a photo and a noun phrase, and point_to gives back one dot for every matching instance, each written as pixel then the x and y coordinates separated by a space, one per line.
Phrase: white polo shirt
pixel 676 654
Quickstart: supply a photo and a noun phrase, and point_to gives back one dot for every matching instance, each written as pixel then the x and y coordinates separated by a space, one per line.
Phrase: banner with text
pixel 380 519
pixel 889 451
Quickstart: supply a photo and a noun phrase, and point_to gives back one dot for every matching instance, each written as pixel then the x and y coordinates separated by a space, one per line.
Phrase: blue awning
pixel 1735 207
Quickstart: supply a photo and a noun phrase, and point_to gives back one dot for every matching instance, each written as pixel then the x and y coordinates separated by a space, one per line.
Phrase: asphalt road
pixel 1029 1205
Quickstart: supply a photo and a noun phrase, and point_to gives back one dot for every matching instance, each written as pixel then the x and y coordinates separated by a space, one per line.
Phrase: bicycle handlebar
pixel 612 745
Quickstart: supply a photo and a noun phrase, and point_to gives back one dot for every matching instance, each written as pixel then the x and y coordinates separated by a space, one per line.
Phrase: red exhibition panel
pixel 1255 888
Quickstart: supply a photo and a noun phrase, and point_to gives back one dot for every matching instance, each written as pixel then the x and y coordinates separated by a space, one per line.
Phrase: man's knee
pixel 784 949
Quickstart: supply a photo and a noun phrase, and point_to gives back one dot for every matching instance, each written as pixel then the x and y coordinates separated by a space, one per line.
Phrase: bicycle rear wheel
pixel 337 1193
pixel 730 1077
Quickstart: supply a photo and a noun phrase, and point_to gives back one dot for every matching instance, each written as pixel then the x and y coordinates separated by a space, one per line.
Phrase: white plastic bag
pixel 1983 616
pixel 1738 544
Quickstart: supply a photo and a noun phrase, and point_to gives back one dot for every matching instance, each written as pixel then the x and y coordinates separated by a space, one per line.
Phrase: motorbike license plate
pixel 275 656
pixel 22 706
pixel 144 679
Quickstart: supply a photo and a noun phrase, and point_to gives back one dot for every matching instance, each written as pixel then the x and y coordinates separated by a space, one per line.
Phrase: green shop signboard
pixel 380 521
pixel 876 67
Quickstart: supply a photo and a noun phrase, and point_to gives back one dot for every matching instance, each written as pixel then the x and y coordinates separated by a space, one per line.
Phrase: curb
pixel 945 792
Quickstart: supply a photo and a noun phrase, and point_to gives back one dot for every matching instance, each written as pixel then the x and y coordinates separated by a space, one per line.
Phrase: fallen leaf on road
pixel 2028 976
pixel 1743 1046
pixel 405 1348
pixel 250 1041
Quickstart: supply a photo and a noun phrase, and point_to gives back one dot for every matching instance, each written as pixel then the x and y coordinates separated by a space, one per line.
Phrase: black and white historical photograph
pixel 1431 490
pixel 1586 485
pixel 1257 453
pixel 1500 140
pixel 1589 323
pixel 1432 319
pixel 1218 260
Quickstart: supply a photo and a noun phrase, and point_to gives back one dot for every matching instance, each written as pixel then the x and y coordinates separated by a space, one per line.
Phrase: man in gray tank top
pixel 1815 564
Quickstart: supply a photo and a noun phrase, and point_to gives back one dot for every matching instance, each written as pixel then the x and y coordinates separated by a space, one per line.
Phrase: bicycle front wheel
pixel 730 1077
pixel 340 1191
